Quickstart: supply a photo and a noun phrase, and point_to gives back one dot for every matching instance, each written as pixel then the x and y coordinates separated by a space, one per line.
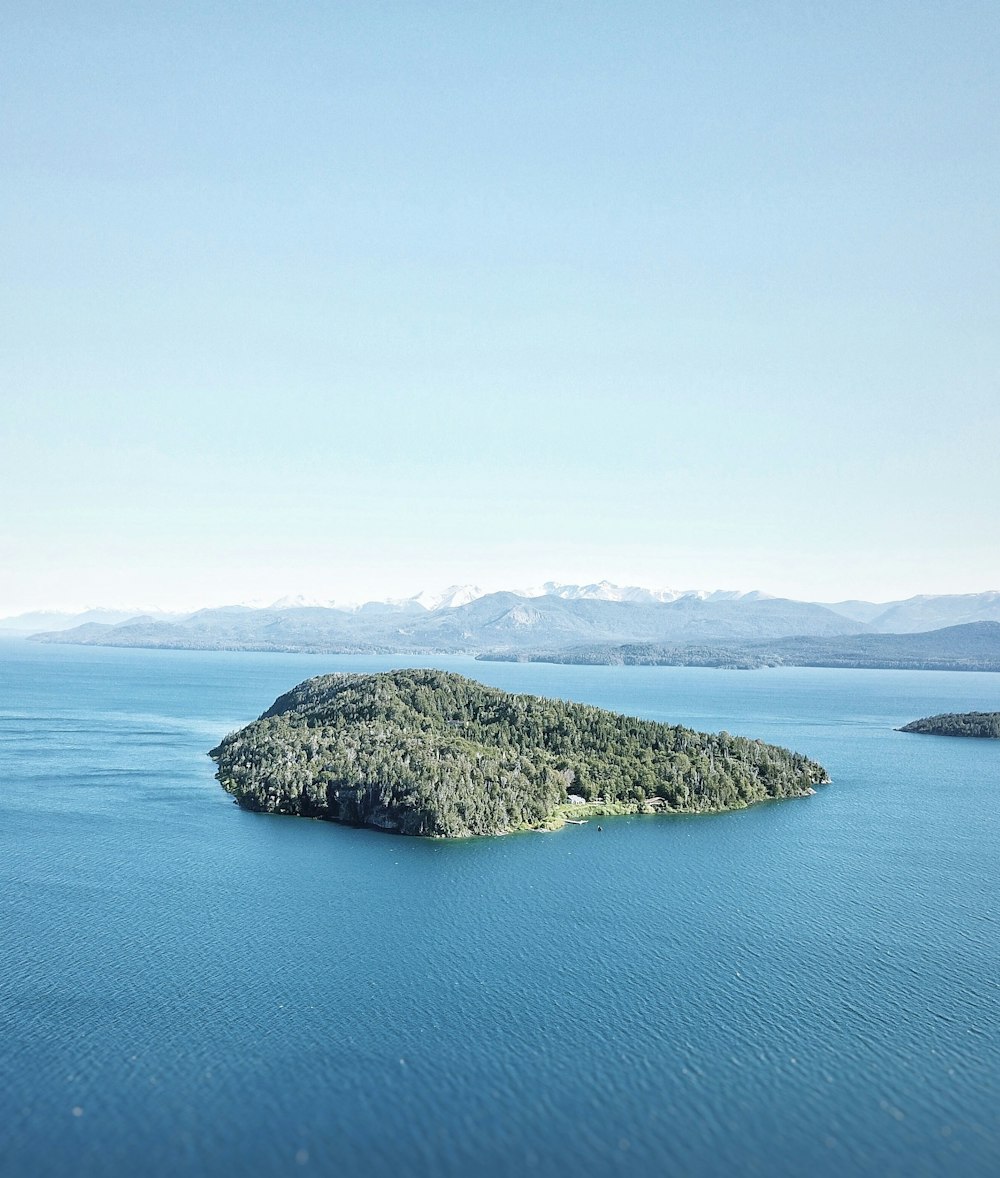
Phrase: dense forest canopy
pixel 432 753
pixel 958 724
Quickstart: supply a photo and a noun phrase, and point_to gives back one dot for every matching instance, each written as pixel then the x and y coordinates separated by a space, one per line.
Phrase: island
pixel 958 724
pixel 426 752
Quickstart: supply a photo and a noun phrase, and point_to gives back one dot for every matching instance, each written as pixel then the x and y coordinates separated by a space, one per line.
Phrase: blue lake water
pixel 809 986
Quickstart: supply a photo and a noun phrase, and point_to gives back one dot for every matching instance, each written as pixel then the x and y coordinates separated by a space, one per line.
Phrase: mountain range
pixel 463 619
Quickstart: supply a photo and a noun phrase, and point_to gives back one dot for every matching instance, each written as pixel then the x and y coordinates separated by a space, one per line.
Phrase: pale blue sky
pixel 349 299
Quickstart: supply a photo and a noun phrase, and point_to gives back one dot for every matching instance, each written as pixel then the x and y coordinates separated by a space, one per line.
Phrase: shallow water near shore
pixel 806 986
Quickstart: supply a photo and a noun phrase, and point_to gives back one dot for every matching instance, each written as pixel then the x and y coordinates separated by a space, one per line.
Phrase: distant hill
pixel 859 611
pixel 49 620
pixel 971 647
pixel 932 612
pixel 974 646
pixel 926 611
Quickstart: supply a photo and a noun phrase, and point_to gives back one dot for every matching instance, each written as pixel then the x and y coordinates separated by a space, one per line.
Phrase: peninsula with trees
pixel 958 724
pixel 427 752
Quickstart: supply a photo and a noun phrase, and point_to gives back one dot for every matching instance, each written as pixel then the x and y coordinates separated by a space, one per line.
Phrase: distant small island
pixel 958 724
pixel 426 752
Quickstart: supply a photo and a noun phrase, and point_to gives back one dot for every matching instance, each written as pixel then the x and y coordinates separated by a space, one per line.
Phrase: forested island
pixel 958 724
pixel 426 752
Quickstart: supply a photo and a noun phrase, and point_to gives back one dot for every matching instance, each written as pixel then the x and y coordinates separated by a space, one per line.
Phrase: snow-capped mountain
pixel 295 601
pixel 427 601
pixel 458 595
pixel 608 591
pixel 450 598
pixel 727 595
pixel 599 591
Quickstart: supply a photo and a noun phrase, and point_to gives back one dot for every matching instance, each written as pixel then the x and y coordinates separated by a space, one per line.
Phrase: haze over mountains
pixel 39 621
pixel 554 617
pixel 923 612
